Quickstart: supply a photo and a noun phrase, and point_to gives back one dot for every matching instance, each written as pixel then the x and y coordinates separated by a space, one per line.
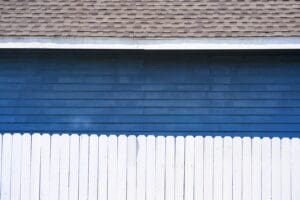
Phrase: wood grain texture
pixel 103 167
pixel 208 168
pixel 35 167
pixel 6 166
pixel 132 167
pixel 118 167
pixel 141 167
pixel 237 168
pixel 189 168
pixel 199 168
pixel 170 167
pixel 175 93
pixel 25 170
pixel 227 168
pixel 45 167
pixel 74 170
pixel 16 166
pixel 64 167
pixel 150 167
pixel 54 166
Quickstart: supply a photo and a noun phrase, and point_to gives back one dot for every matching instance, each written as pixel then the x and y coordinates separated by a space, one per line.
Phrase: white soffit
pixel 253 43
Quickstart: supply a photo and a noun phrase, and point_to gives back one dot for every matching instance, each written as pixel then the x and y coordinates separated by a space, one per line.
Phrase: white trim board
pixel 253 43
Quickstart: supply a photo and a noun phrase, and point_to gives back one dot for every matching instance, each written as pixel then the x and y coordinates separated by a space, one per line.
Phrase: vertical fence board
pixel 150 168
pixel 64 167
pixel 93 168
pixel 131 167
pixel 208 167
pixel 25 170
pixel 170 167
pixel 160 168
pixel 54 167
pixel 285 169
pixel 189 168
pixel 218 168
pixel 112 167
pixel 295 169
pixel 102 169
pixel 276 175
pixel 198 184
pixel 45 167
pixel 256 169
pixel 83 166
pixel 35 167
pixel 237 168
pixel 74 167
pixel 227 169
pixel 16 166
pixel 247 182
pixel 1 162
pixel 141 168
pixel 122 163
pixel 179 168
pixel 266 155
pixel 6 166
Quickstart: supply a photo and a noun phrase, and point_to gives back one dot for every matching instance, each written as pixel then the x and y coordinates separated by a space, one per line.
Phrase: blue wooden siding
pixel 146 92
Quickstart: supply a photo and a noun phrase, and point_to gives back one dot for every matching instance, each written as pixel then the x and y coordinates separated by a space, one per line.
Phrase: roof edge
pixel 250 43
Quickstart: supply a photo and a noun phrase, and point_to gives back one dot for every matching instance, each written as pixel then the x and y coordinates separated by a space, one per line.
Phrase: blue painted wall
pixel 254 93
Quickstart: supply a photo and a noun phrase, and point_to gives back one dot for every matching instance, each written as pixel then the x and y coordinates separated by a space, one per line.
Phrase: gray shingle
pixel 150 18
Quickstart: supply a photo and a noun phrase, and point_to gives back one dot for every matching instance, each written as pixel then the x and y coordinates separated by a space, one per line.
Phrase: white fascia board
pixel 251 43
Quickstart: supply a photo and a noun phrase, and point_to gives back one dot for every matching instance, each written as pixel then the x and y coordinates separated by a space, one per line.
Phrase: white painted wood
pixel 170 168
pixel 227 169
pixel 54 167
pixel 122 167
pixel 25 170
pixel 131 167
pixel 160 165
pixel 35 167
pixel 189 168
pixel 285 169
pixel 74 167
pixel 83 167
pixel 112 167
pixel 208 168
pixel 256 168
pixel 102 170
pixel 0 163
pixel 150 168
pixel 266 155
pixel 179 168
pixel 93 168
pixel 16 166
pixel 236 43
pixel 64 167
pixel 247 171
pixel 45 167
pixel 218 168
pixel 141 168
pixel 199 159
pixel 276 169
pixel 237 168
pixel 295 168
pixel 6 166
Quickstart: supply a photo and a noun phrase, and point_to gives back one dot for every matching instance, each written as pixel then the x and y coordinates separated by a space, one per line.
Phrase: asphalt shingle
pixel 150 18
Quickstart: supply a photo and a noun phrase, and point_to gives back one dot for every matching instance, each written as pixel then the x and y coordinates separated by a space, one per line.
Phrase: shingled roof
pixel 150 18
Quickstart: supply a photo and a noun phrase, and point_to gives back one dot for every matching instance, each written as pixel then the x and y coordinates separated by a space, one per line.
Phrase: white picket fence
pixel 71 167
